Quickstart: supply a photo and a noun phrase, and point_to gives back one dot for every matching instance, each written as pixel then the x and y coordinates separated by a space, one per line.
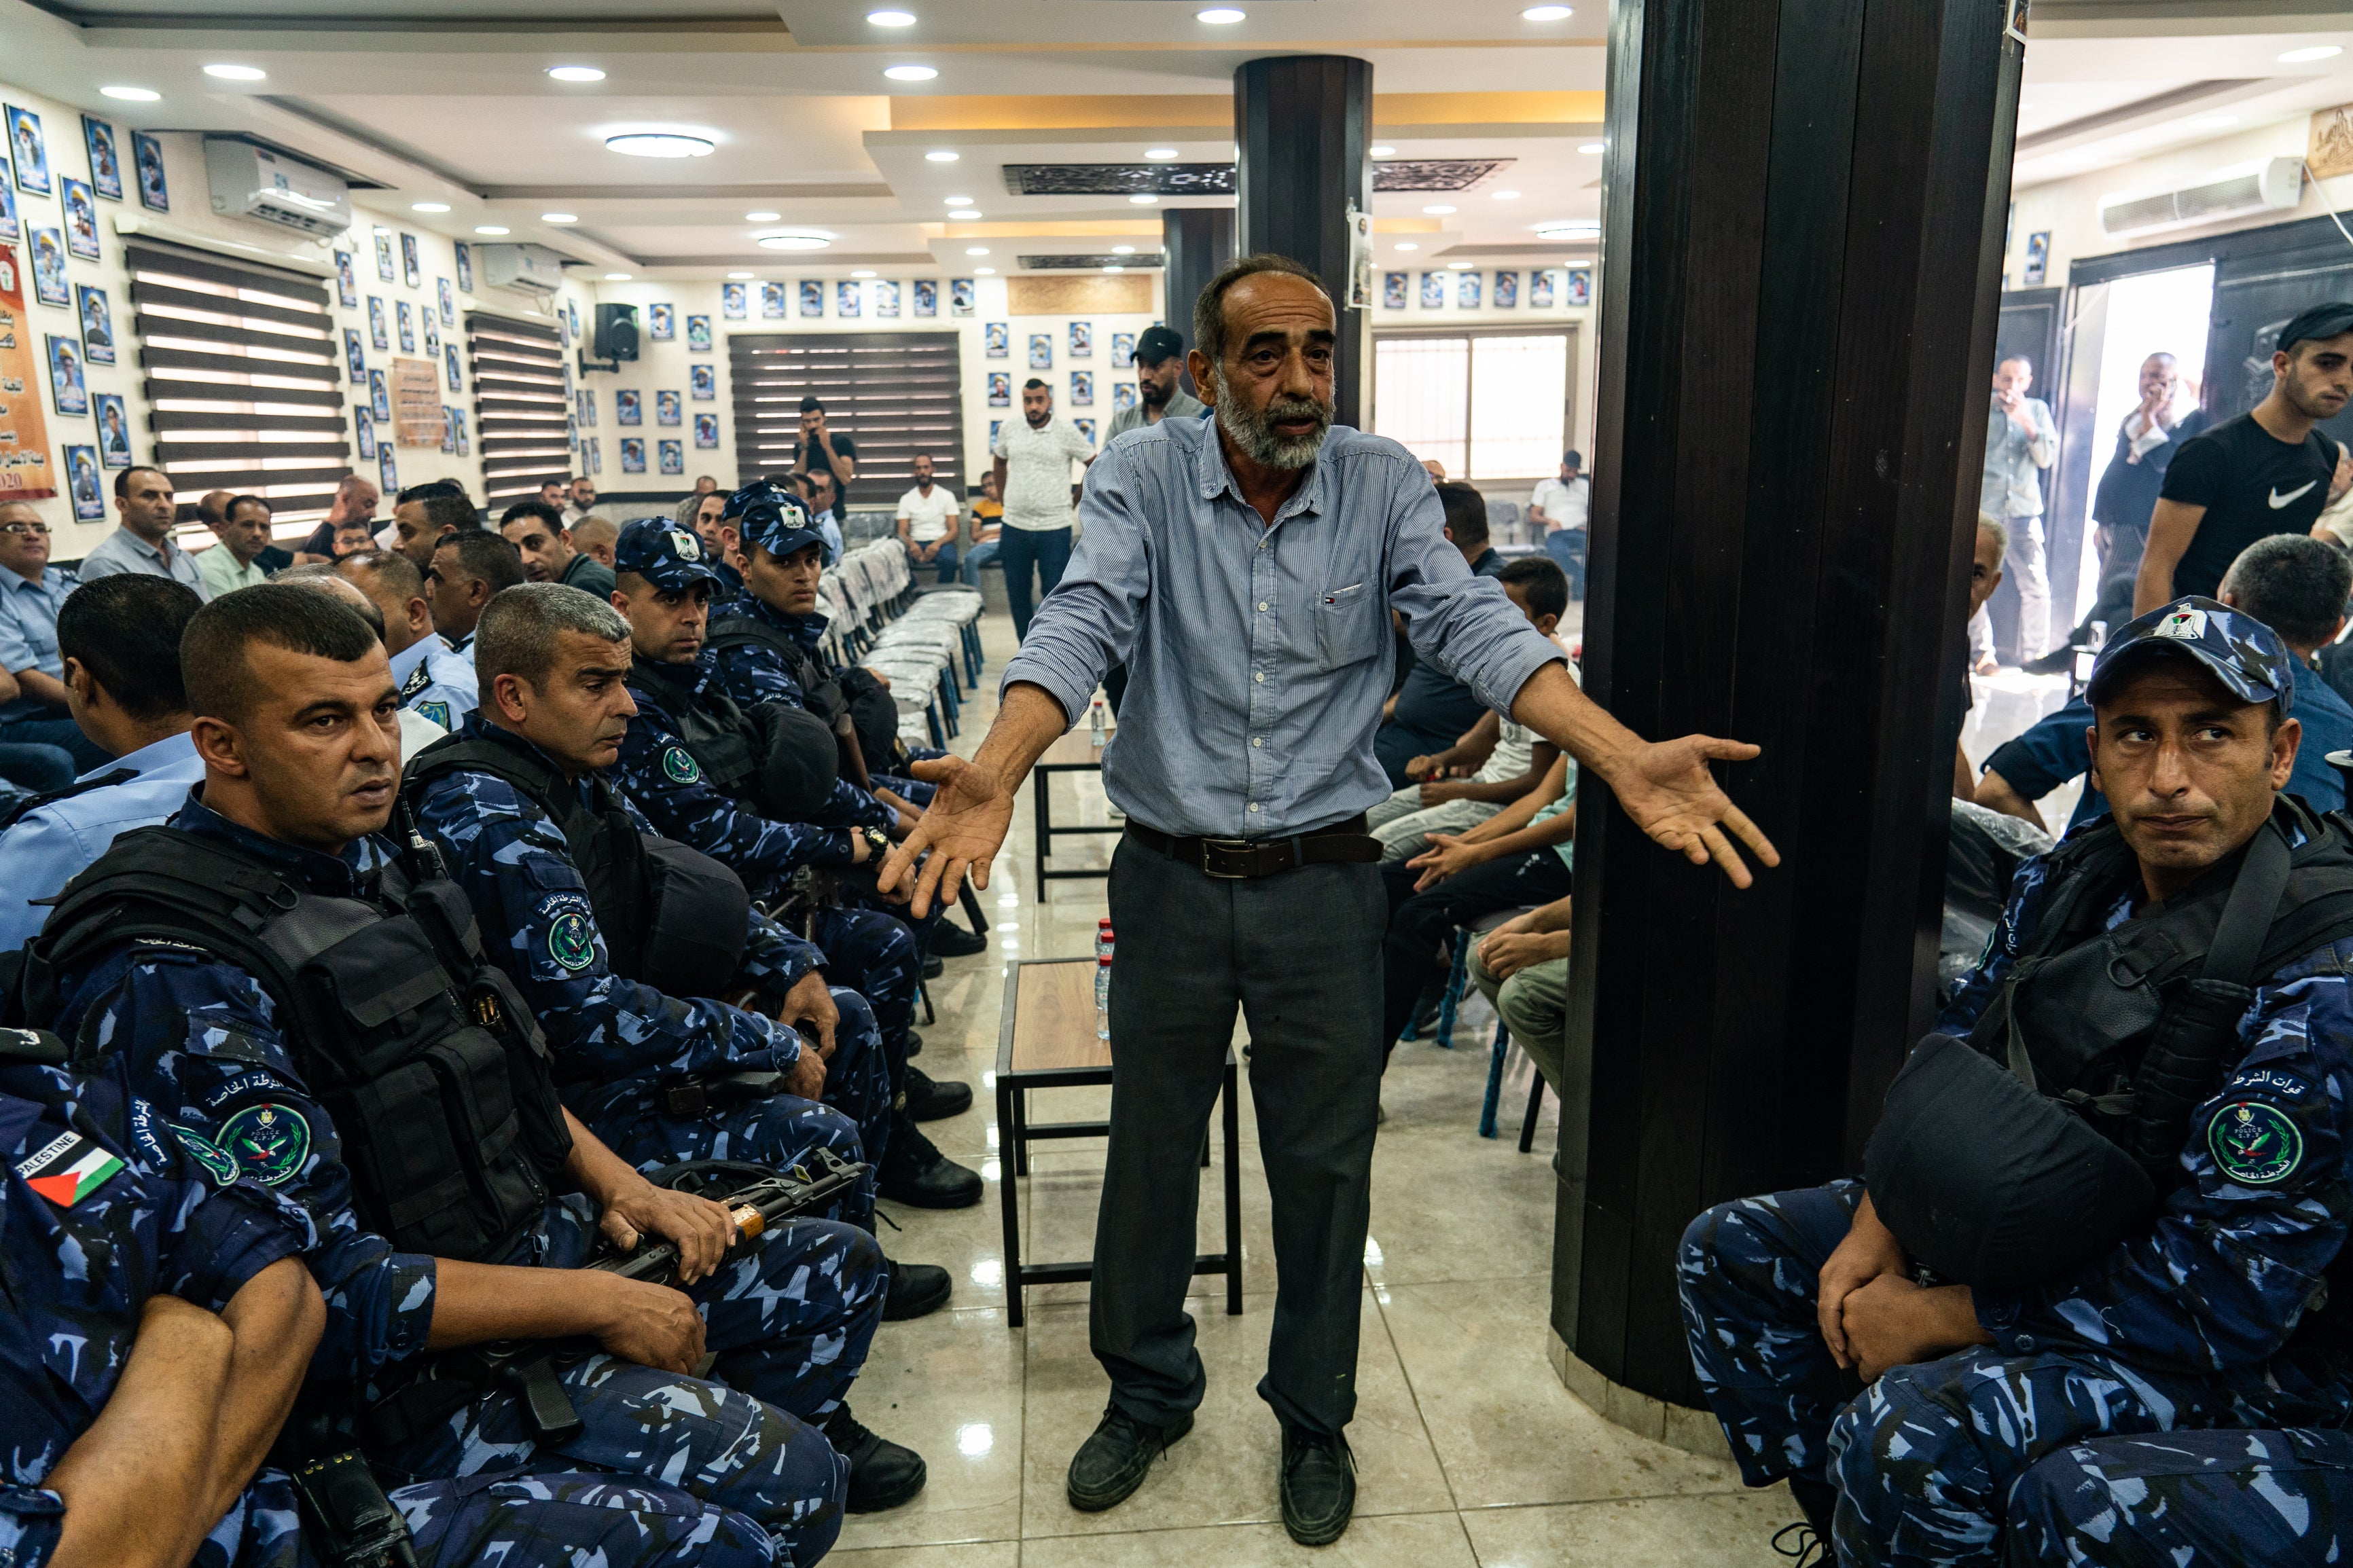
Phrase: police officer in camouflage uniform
pixel 2206 1314
pixel 2284 1499
pixel 156 1300
pixel 683 721
pixel 296 720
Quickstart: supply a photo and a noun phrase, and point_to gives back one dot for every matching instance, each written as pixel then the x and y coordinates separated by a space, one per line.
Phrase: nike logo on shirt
pixel 2279 500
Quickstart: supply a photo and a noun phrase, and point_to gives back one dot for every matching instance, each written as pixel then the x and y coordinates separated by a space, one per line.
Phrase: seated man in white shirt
pixel 1560 507
pixel 927 522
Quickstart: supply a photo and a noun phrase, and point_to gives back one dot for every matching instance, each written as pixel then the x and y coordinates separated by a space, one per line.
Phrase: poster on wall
pixel 1000 389
pixel 81 219
pixel 1507 291
pixel 1041 350
pixel 774 302
pixel 456 377
pixel 407 319
pixel 347 283
pixel 1576 286
pixel 1082 389
pixel 379 331
pixel 449 299
pixel 886 299
pixel 466 267
pixel 1393 289
pixel 10 227
pixel 411 268
pixel 996 340
pixel 1122 397
pixel 588 406
pixel 49 267
pixel 68 393
pixel 432 336
pixel 354 359
pixel 97 324
pixel 698 334
pixel 387 472
pixel 661 322
pixel 596 456
pixel 449 431
pixel 147 159
pixel 1122 351
pixel 105 164
pixel 1086 429
pixel 380 396
pixel 1082 340
pixel 959 297
pixel 2037 258
pixel 735 301
pixel 628 407
pixel 415 402
pixel 458 422
pixel 927 297
pixel 25 471
pixel 674 455
pixel 702 383
pixel 384 256
pixel 706 432
pixel 28 152
pixel 633 453
pixel 667 409
pixel 88 503
pixel 364 427
pixel 113 430
pixel 1467 291
pixel 845 295
pixel 812 297
pixel 996 433
pixel 1540 288
pixel 1433 291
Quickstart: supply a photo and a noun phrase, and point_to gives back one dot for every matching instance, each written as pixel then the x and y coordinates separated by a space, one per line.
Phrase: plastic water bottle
pixel 1095 721
pixel 1103 936
pixel 1103 997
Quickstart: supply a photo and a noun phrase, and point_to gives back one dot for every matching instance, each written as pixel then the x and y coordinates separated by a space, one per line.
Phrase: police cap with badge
pixel 771 517
pixel 2052 1131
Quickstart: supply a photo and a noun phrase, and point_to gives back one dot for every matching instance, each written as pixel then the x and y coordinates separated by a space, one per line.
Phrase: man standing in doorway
pixel 2020 442
pixel 1160 393
pixel 1247 567
pixel 1033 475
pixel 2267 471
pixel 1561 507
pixel 143 500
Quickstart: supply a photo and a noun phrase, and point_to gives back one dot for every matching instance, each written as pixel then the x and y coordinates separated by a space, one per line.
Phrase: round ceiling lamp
pixel 793 241
pixel 659 144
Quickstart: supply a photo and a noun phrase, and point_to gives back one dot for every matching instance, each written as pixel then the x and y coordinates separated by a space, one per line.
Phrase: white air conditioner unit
pixel 2275 185
pixel 528 268
pixel 256 183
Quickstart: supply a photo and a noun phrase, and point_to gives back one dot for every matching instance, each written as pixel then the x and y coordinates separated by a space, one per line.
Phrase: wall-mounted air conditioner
pixel 269 186
pixel 527 268
pixel 2275 185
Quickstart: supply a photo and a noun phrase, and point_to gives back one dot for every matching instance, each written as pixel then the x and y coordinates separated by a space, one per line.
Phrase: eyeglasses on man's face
pixel 26 530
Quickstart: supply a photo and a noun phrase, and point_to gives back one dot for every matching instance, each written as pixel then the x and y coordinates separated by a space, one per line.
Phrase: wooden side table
pixel 1046 1041
pixel 1075 753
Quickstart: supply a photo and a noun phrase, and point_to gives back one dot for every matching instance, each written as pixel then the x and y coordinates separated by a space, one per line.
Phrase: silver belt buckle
pixel 1212 848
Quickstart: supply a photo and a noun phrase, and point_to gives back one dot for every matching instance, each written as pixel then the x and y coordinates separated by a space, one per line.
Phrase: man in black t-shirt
pixel 2268 471
pixel 822 451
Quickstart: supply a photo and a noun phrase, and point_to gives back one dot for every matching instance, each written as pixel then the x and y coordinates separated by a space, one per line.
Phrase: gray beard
pixel 1254 434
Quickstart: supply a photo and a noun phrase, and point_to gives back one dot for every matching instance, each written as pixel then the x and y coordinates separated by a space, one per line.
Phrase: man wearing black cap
pixel 2267 471
pixel 2010 1277
pixel 1160 392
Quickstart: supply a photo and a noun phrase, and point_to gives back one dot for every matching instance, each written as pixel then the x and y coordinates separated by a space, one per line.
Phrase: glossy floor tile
pixel 1469 1450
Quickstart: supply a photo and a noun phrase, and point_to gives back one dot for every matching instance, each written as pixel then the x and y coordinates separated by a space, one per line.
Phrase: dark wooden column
pixel 1802 228
pixel 1303 125
pixel 1196 244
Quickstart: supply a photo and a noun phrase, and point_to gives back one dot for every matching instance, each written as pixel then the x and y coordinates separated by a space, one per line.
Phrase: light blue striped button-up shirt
pixel 1259 656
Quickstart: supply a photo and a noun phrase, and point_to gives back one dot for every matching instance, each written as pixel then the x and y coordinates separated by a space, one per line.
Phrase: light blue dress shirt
pixel 434 682
pixel 1257 657
pixel 49 846
pixel 28 632
pixel 123 551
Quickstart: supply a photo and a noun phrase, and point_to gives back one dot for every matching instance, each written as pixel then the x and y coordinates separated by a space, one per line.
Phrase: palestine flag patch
pixel 67 1169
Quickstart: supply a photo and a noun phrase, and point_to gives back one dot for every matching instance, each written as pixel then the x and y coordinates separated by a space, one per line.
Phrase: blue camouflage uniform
pixel 79 1267
pixel 2284 1499
pixel 617 1043
pixel 2186 1326
pixel 790 1316
pixel 435 681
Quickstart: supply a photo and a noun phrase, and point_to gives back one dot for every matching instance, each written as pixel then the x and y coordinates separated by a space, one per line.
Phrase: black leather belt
pixel 1343 843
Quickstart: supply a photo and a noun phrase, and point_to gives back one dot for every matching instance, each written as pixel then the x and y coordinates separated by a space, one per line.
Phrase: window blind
pixel 244 379
pixel 519 406
pixel 894 393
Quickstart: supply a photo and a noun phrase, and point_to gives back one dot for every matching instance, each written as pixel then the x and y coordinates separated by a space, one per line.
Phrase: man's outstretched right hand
pixel 965 827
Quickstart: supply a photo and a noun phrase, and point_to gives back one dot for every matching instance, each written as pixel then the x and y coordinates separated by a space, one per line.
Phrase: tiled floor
pixel 1469 1450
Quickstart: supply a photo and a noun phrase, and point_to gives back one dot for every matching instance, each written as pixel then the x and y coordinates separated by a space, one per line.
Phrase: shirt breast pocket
pixel 1348 625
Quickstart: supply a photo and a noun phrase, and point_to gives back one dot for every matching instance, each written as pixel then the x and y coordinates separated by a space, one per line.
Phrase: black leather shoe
pixel 929 1101
pixel 915 1173
pixel 1319 1486
pixel 1112 1463
pixel 916 1291
pixel 933 967
pixel 882 1474
pixel 950 940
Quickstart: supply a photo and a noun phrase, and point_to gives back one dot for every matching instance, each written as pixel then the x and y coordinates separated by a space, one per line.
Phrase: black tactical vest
pixel 779 761
pixel 673 918
pixel 420 1048
pixel 715 730
pixel 853 695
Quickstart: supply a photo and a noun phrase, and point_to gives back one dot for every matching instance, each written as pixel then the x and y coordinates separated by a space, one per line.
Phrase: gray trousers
pixel 1300 953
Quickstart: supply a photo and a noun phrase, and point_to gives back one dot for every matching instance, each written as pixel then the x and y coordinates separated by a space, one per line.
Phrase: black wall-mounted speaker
pixel 617 331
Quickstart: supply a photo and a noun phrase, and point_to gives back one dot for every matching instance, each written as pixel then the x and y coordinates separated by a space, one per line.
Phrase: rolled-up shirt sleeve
pixel 1465 625
pixel 1088 623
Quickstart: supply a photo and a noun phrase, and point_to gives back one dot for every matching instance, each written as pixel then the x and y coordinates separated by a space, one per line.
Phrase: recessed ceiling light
pixel 429 206
pixel 616 278
pixel 2293 58
pixel 1547 14
pixel 959 201
pixel 1384 152
pixel 1440 210
pixel 487 228
pixel 250 73
pixel 1220 15
pixel 969 215
pixel 1505 196
pixel 941 155
pixel 1407 245
pixel 575 73
pixel 1123 250
pixel 559 218
pixel 867 274
pixel 131 94
pixel 794 241
pixel 2212 122
pixel 976 250
pixel 1114 268
pixel 762 217
pixel 659 144
pixel 1458 266
pixel 891 19
pixel 1590 147
pixel 911 73
pixel 739 275
pixel 1143 201
pixel 1162 153
pixel 984 271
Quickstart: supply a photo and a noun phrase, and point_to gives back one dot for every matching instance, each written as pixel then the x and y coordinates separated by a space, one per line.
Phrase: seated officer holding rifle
pixel 306 1003
pixel 2108 1198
